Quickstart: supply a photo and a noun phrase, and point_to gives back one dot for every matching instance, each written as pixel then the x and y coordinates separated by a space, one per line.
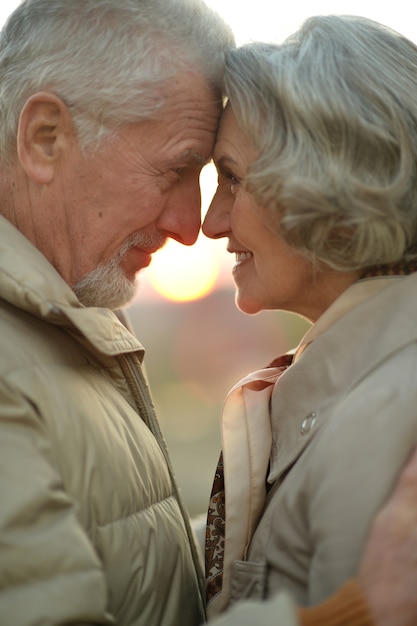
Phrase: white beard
pixel 107 285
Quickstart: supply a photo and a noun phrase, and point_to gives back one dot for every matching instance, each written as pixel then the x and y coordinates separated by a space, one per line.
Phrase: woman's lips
pixel 242 257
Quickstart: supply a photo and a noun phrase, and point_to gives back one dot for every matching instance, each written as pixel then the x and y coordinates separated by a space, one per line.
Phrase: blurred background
pixel 197 343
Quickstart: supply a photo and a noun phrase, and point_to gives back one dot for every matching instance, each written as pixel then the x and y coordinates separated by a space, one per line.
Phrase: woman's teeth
pixel 242 256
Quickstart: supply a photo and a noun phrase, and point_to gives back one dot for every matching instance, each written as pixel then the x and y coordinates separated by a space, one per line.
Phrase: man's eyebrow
pixel 191 156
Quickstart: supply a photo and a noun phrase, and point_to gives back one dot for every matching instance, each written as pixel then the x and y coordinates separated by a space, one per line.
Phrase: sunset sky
pixel 187 273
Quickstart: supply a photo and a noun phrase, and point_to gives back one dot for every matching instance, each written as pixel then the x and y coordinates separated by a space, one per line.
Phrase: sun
pixel 183 273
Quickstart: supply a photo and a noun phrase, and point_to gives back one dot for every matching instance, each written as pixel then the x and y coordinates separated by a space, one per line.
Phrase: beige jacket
pixel 92 530
pixel 343 422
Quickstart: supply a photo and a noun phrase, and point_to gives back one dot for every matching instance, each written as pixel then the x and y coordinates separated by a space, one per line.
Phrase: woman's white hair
pixel 332 113
pixel 107 59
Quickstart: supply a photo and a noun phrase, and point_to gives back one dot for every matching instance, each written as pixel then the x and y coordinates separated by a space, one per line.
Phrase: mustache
pixel 146 241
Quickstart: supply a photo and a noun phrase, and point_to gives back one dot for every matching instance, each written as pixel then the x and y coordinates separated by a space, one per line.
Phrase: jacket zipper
pixel 132 371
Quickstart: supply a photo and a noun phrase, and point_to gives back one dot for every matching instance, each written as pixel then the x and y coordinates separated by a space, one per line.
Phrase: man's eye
pixel 173 173
pixel 171 176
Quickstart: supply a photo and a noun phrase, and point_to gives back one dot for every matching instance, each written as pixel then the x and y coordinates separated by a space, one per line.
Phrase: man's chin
pixel 99 289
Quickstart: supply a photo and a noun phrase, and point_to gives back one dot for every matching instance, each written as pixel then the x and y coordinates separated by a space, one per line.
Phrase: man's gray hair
pixel 332 113
pixel 107 59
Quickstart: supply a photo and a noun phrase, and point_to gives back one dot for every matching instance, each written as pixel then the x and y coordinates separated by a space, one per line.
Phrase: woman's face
pixel 268 273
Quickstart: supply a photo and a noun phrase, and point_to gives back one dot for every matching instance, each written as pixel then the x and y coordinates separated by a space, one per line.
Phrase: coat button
pixel 308 423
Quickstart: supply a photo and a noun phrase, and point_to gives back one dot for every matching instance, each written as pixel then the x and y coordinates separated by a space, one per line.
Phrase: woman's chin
pixel 246 305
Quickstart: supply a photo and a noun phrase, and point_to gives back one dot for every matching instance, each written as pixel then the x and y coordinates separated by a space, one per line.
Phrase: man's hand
pixel 388 573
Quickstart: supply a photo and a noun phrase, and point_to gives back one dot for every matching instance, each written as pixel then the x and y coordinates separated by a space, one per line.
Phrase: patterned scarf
pixel 216 522
pixel 216 516
pixel 402 268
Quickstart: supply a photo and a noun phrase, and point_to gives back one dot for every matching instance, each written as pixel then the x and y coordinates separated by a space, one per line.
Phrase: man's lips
pixel 136 259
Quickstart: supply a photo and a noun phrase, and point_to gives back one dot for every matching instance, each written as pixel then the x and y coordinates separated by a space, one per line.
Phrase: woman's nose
pixel 217 220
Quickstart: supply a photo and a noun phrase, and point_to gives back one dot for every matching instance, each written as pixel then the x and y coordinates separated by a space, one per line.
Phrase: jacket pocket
pixel 249 579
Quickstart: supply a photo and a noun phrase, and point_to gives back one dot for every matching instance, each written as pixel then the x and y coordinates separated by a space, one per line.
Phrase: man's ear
pixel 44 133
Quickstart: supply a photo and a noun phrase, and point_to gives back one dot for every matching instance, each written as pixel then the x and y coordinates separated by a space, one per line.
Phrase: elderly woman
pixel 317 195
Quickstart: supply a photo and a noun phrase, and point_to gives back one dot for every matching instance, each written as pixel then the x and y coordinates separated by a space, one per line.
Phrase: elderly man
pixel 109 110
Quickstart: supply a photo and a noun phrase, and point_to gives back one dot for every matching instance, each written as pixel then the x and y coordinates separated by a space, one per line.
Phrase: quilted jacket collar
pixel 29 282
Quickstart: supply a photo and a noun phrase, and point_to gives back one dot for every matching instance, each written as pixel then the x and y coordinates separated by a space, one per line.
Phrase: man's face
pixel 119 205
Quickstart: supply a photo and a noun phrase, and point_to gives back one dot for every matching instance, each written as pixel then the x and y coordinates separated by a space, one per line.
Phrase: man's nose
pixel 181 219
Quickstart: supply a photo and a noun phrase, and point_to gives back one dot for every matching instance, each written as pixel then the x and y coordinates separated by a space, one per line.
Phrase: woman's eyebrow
pixel 223 161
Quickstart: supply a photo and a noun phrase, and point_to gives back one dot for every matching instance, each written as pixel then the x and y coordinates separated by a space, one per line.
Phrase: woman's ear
pixel 44 132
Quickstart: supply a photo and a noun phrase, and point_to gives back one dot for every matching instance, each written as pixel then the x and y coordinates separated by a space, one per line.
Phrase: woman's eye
pixel 229 179
pixel 234 184
pixel 226 179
